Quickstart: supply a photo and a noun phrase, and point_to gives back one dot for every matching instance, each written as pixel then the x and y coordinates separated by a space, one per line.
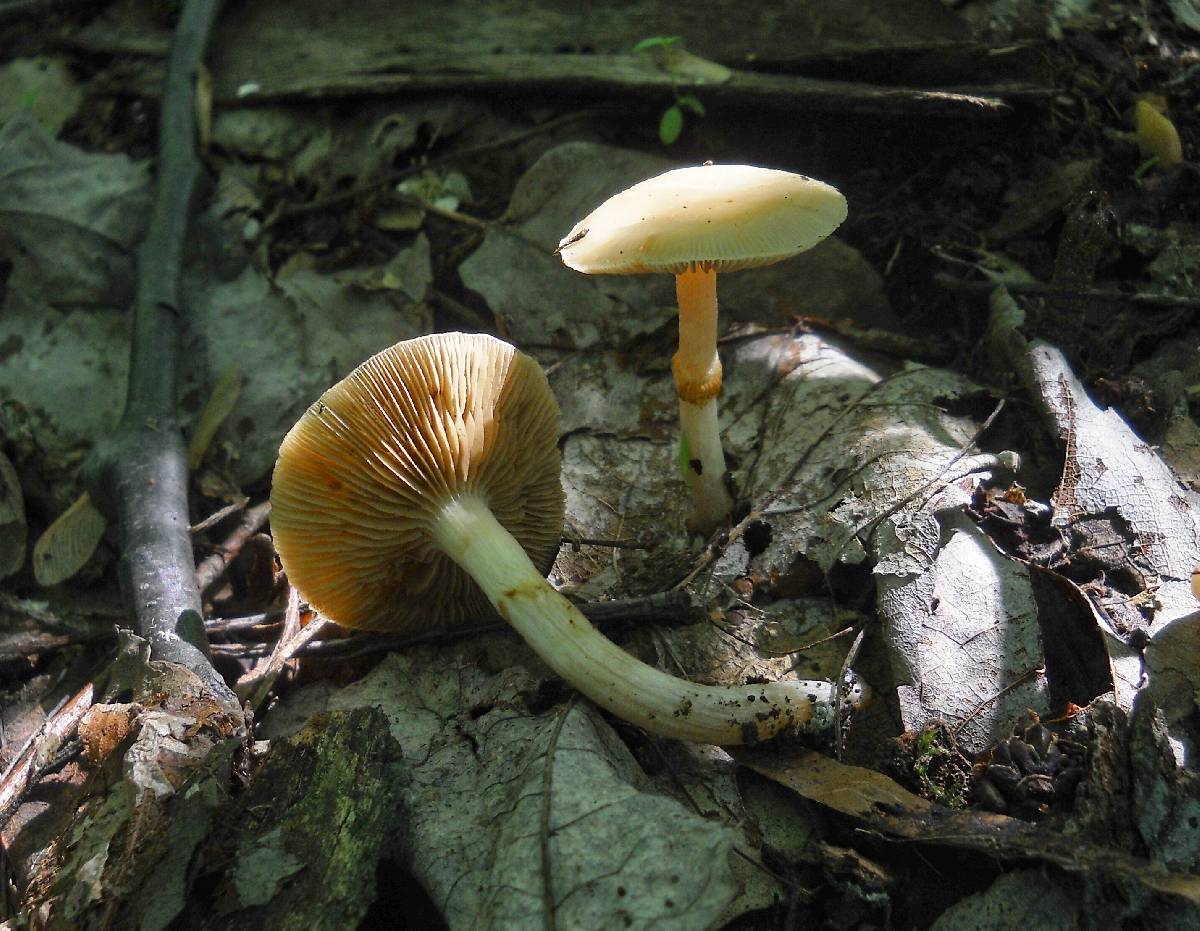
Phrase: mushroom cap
pixel 723 217
pixel 361 475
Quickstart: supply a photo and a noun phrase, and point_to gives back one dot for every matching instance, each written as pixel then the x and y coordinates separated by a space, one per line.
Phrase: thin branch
pixel 667 608
pixel 1104 295
pixel 41 751
pixel 935 480
pixel 139 475
pixel 214 566
pixel 219 515
pixel 254 685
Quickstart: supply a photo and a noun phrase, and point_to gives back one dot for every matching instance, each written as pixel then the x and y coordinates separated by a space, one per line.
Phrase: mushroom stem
pixel 466 530
pixel 704 465
pixel 696 292
pixel 697 370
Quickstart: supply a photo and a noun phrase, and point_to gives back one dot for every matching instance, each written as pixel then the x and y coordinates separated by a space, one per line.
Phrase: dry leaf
pixel 892 811
pixel 68 543
pixel 220 404
pixel 12 520
pixel 104 728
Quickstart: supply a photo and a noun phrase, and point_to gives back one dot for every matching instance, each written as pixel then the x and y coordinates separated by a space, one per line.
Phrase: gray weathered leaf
pixel 12 520
pixel 1112 475
pixel 69 219
pixel 515 812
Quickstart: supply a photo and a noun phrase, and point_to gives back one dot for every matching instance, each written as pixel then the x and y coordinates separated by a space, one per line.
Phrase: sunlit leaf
pixel 220 405
pixel 656 42
pixel 68 543
pixel 671 125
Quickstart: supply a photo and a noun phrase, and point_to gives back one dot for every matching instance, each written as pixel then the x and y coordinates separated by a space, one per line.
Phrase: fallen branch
pixel 139 475
pixel 598 76
pixel 672 608
pixel 605 76
pixel 1106 295
pixel 254 685
pixel 214 566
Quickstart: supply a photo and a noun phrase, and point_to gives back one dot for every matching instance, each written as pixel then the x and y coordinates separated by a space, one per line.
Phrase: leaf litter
pixel 862 473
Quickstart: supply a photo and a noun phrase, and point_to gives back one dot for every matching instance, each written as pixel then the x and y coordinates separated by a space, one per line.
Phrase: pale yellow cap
pixel 360 474
pixel 723 217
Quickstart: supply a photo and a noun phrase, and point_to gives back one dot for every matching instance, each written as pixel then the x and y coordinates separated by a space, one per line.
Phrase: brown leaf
pixel 105 727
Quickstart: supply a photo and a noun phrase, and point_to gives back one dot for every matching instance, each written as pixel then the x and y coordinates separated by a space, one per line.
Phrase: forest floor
pixel 959 431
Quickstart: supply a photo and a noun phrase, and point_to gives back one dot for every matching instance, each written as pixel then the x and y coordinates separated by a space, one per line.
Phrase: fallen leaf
pixel 68 543
pixel 12 520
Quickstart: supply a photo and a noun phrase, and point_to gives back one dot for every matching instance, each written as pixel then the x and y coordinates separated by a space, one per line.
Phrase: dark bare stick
pixel 213 567
pixel 670 608
pixel 139 475
pixel 1108 295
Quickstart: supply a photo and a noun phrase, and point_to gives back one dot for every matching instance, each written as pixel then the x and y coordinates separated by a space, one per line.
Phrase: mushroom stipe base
pixel 704 467
pixel 566 641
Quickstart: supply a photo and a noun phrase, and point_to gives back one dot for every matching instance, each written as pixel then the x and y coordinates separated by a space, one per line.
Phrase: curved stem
pixel 616 681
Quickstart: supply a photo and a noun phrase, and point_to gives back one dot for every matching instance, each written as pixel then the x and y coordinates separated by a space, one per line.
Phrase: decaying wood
pixel 598 77
pixel 154 789
pixel 302 846
pixel 40 750
pixel 606 76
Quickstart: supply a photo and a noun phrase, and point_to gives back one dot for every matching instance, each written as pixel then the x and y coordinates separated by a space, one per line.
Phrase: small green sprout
pixel 670 124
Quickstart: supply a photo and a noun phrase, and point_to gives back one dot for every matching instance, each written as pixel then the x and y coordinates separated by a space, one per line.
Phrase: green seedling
pixel 670 124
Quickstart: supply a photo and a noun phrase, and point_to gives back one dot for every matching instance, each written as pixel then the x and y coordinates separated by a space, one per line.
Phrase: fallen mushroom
pixel 693 223
pixel 426 485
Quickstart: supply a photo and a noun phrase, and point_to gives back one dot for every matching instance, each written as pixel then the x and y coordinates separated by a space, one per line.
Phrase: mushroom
pixel 426 485
pixel 693 223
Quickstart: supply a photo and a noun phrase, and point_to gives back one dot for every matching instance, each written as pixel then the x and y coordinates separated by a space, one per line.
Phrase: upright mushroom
pixel 693 223
pixel 426 485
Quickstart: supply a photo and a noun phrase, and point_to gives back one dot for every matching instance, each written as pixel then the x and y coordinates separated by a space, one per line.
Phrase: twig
pixel 25 769
pixel 1016 683
pixel 1108 295
pixel 611 544
pixel 219 515
pixel 139 475
pixel 666 608
pixel 214 566
pixel 934 479
pixel 254 685
pixel 843 686
pixel 455 216
pixel 465 314
pixel 222 625
pixel 717 546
